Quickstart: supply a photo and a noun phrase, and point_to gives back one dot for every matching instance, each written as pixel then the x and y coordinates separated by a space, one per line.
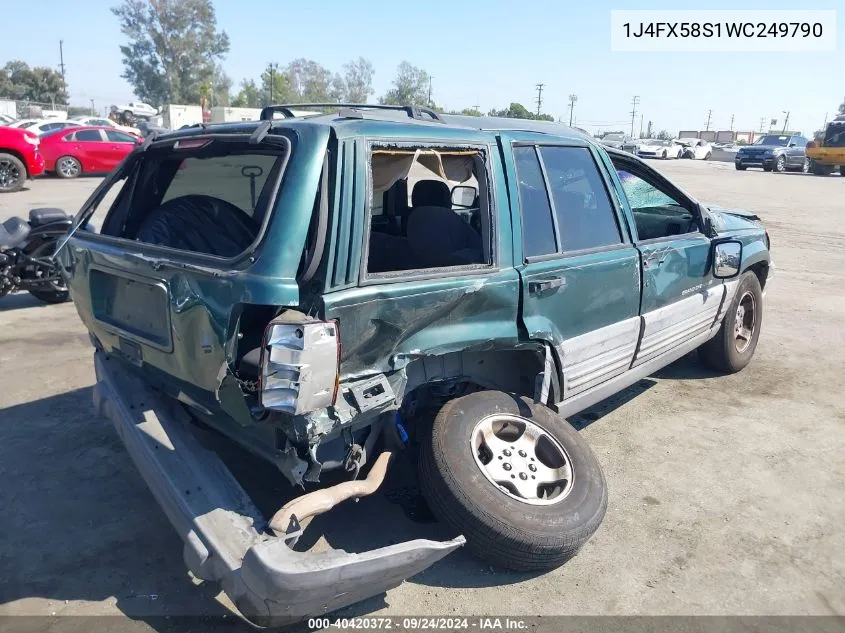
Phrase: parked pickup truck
pixel 308 286
pixel 828 152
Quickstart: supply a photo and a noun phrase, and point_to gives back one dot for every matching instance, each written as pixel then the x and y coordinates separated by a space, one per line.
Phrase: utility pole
pixel 707 125
pixel 786 120
pixel 572 99
pixel 762 123
pixel 429 90
pixel 539 97
pixel 271 69
pixel 62 63
pixel 641 125
pixel 732 123
pixel 93 111
pixel 634 103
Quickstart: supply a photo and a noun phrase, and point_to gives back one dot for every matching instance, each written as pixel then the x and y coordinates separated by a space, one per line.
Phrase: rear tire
pixel 501 526
pixel 842 170
pixel 53 292
pixel 12 173
pixel 728 351
pixel 68 167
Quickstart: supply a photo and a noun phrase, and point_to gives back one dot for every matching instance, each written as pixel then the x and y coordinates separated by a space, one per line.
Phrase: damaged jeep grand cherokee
pixel 305 286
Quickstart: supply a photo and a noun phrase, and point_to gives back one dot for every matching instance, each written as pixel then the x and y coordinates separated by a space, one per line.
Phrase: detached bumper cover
pixel 224 533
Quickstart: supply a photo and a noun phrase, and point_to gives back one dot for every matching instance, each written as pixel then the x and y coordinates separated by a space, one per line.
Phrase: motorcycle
pixel 26 248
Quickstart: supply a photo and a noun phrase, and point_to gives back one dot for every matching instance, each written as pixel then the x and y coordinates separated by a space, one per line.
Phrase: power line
pixel 572 99
pixel 634 103
pixel 707 125
pixel 539 97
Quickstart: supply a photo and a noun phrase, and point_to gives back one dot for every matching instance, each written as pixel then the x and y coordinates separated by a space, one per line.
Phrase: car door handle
pixel 654 261
pixel 545 284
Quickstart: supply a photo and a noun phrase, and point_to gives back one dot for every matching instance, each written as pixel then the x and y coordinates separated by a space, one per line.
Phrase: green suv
pixel 310 287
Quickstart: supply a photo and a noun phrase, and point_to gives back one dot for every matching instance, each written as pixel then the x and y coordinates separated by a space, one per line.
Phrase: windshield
pixel 835 135
pixel 773 139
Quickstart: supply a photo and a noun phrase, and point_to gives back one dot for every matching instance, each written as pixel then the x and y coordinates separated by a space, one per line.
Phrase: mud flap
pixel 224 533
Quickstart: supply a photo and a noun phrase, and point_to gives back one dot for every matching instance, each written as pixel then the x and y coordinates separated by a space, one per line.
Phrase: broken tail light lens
pixel 299 366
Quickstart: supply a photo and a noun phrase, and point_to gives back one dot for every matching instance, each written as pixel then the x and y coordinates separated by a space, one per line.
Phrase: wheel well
pixel 434 380
pixel 761 269
pixel 18 155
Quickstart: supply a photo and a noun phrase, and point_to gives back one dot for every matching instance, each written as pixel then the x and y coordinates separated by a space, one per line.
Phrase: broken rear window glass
pixel 429 209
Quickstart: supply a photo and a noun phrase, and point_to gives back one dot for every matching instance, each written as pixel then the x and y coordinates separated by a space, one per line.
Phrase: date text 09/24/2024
pixel 726 29
pixel 458 623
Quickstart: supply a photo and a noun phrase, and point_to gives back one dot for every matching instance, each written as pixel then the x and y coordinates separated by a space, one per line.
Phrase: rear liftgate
pixel 226 537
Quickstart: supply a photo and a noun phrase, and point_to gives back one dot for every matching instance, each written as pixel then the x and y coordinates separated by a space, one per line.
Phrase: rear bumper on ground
pixel 224 534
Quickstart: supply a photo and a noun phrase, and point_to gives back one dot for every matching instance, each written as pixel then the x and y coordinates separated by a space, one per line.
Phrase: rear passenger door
pixel 680 297
pixel 92 150
pixel 580 272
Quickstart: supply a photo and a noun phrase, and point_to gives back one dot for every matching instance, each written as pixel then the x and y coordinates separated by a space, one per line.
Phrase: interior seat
pixel 37 217
pixel 431 193
pixel 438 237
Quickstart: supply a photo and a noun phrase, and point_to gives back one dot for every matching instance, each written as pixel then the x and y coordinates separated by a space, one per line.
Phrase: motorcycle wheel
pixel 53 291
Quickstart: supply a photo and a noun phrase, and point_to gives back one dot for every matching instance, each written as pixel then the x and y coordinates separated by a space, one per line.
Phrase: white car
pixel 6 120
pixel 137 109
pixel 696 148
pixel 103 122
pixel 657 148
pixel 42 126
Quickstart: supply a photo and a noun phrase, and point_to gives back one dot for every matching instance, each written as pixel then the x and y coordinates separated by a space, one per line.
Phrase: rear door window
pixel 237 179
pixel 88 135
pixel 538 233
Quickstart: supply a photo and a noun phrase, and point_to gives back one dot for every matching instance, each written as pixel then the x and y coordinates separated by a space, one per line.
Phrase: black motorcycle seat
pixel 37 217
pixel 12 232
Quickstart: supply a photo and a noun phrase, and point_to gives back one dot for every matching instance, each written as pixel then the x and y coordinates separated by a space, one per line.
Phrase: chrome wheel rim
pixel 522 460
pixel 780 163
pixel 68 167
pixel 806 166
pixel 745 322
pixel 10 174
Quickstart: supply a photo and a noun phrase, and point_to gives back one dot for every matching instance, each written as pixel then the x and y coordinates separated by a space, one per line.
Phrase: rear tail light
pixel 299 365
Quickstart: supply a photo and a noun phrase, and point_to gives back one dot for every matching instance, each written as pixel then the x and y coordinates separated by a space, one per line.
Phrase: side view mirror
pixel 463 195
pixel 727 258
pixel 792 144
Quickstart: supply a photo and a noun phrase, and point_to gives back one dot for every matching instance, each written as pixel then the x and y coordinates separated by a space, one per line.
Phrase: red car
pixel 85 150
pixel 19 158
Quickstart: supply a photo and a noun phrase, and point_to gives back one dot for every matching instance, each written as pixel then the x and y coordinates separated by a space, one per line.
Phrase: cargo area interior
pixel 210 198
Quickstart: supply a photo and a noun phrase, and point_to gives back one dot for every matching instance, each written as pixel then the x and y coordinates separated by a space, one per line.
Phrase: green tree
pixel 249 96
pixel 312 83
pixel 357 81
pixel 20 82
pixel 664 135
pixel 173 50
pixel 519 111
pixel 410 87
pixel 842 107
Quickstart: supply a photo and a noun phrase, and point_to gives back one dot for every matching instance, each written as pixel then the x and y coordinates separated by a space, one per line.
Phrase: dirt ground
pixel 727 494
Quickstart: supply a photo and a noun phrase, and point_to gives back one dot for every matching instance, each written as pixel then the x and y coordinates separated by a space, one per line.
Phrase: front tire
pixel 665 155
pixel 515 478
pixel 12 173
pixel 68 167
pixel 805 166
pixel 733 346
pixel 780 164
pixel 842 170
pixel 740 167
pixel 707 156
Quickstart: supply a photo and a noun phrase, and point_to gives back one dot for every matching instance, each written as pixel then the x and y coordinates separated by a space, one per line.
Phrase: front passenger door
pixel 680 297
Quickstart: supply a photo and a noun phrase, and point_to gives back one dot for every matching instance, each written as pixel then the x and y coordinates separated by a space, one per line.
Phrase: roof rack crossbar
pixel 421 113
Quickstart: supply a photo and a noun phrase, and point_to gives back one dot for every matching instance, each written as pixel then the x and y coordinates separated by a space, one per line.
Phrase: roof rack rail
pixel 419 113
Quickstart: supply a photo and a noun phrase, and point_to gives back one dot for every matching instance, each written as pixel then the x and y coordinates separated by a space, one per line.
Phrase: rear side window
pixel 564 202
pixel 88 135
pixel 119 137
pixel 585 217
pixel 538 234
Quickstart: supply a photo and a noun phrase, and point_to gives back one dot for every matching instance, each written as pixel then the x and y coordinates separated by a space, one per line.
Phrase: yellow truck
pixel 827 151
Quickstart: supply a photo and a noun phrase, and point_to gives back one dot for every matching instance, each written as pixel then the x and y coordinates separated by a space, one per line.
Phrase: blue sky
pixel 487 53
